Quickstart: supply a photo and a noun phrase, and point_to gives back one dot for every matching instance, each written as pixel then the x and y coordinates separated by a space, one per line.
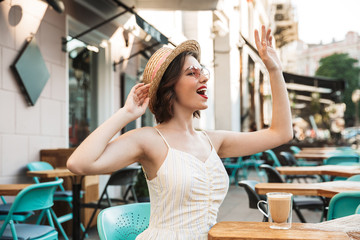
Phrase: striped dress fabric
pixel 185 196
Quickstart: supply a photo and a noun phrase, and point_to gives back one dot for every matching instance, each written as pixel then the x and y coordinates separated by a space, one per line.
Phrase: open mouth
pixel 202 92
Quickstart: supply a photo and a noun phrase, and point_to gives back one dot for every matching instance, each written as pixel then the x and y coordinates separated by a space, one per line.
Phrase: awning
pixel 304 86
pixel 172 5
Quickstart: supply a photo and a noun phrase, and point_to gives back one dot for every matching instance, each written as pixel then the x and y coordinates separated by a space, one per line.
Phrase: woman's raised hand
pixel 137 100
pixel 266 50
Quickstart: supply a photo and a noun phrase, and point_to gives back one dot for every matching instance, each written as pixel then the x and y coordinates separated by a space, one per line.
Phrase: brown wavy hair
pixel 165 95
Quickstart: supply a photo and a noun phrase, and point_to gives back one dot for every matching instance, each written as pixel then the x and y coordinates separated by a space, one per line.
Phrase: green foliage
pixel 341 66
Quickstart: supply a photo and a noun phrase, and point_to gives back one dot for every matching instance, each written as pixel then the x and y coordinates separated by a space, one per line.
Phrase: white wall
pixel 24 130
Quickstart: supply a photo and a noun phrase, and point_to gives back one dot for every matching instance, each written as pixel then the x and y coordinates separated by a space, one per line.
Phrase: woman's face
pixel 191 88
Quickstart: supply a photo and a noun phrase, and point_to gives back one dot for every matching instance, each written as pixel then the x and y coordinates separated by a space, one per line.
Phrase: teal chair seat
pixel 5 208
pixel 28 231
pixel 18 216
pixel 124 222
pixel 343 204
pixel 35 197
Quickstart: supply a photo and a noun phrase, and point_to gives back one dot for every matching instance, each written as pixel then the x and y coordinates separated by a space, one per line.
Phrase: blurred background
pixel 66 66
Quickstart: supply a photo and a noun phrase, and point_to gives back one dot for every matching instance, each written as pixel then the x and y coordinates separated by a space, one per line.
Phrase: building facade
pixel 86 84
pixel 302 58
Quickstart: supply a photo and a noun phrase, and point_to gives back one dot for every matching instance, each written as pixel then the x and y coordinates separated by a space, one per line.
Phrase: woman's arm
pixel 233 144
pixel 96 155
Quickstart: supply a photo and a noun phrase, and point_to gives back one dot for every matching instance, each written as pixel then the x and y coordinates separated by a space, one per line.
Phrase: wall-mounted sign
pixel 31 71
pixel 158 36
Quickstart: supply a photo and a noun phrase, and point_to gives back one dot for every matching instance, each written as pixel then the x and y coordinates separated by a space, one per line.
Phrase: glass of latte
pixel 279 209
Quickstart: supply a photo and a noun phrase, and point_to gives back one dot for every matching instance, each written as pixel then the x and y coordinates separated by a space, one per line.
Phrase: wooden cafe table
pixel 315 156
pixel 318 154
pixel 76 188
pixel 332 170
pixel 319 149
pixel 12 189
pixel 262 231
pixel 324 189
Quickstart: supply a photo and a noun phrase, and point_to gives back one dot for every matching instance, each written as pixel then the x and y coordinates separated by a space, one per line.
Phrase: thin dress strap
pixel 167 144
pixel 212 146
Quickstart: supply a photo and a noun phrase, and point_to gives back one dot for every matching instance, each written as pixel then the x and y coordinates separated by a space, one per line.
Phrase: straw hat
pixel 160 61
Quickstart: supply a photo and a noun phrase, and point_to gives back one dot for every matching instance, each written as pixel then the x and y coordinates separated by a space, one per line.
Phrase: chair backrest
pixel 354 178
pixel 357 211
pixel 289 159
pixel 123 221
pixel 256 156
pixel 38 166
pixel 124 176
pixel 35 197
pixel 253 197
pixel 272 156
pixel 232 161
pixel 334 160
pixel 272 174
pixel 295 149
pixel 343 204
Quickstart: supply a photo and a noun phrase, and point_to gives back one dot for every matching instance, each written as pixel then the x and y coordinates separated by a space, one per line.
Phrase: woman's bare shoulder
pixel 145 133
pixel 216 137
pixel 147 137
pixel 152 145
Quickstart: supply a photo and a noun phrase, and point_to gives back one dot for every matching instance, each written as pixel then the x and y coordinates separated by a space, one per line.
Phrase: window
pixel 82 92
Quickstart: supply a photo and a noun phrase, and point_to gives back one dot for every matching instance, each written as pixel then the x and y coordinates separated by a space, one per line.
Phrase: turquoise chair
pixel 32 198
pixel 343 204
pixel 272 157
pixel 346 149
pixel 295 149
pixel 61 195
pixel 301 161
pixel 335 160
pixel 333 178
pixel 19 216
pixel 343 160
pixel 126 178
pixel 354 178
pixel 255 161
pixel 276 163
pixel 124 222
pixel 234 168
pixel 357 211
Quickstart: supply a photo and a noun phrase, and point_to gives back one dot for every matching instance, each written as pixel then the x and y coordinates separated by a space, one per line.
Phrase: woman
pixel 186 178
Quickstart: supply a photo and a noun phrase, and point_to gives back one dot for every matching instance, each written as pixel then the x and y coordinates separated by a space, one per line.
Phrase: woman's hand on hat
pixel 137 100
pixel 266 50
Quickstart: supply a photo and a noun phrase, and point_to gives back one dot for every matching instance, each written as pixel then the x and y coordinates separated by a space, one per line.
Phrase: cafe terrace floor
pixel 236 208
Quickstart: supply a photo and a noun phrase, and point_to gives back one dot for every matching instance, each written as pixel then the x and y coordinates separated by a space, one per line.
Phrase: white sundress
pixel 185 196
